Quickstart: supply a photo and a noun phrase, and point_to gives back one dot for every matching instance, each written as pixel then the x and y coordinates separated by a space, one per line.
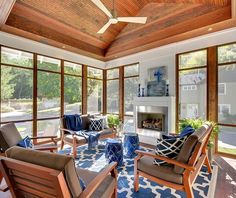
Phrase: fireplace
pixel 152 121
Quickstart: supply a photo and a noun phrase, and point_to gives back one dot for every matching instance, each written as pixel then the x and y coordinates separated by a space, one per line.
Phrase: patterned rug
pixel 94 160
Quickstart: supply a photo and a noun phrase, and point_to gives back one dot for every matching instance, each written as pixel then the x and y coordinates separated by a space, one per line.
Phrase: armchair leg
pixel 136 176
pixel 207 163
pixel 188 188
pixel 74 147
pixel 62 144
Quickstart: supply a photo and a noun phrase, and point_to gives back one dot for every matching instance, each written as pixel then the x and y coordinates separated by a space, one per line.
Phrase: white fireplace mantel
pixel 151 103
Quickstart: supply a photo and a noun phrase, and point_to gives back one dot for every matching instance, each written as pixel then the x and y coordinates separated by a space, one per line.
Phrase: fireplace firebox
pixel 151 121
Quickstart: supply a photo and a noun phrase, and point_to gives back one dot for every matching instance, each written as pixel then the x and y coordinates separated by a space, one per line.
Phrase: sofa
pixel 70 137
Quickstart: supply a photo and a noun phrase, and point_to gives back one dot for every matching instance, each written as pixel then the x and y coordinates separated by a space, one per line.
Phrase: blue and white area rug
pixel 95 160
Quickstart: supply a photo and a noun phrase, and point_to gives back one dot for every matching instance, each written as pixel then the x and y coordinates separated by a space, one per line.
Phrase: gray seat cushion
pixel 105 189
pixel 50 160
pixel 106 132
pixel 79 139
pixel 145 164
pixel 188 147
pixel 10 136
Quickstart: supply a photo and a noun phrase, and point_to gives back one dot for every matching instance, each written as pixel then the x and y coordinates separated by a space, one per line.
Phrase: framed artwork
pixel 157 73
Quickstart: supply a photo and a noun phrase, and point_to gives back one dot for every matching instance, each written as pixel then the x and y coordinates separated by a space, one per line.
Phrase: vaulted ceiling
pixel 73 24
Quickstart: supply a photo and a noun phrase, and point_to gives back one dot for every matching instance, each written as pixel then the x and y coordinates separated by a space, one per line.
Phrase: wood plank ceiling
pixel 73 24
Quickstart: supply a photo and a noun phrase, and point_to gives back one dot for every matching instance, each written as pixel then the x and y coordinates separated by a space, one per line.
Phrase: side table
pixel 114 151
pixel 131 143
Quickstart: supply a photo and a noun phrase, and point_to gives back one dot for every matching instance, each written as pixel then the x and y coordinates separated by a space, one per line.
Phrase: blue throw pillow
pixel 73 122
pixel 187 131
pixel 25 142
pixel 82 184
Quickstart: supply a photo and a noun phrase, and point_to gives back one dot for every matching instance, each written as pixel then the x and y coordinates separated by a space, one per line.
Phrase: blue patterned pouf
pixel 114 151
pixel 131 143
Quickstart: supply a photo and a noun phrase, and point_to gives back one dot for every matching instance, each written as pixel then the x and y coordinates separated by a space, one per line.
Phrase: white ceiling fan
pixel 113 19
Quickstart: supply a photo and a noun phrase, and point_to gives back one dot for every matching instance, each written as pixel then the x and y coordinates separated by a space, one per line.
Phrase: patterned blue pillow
pixel 96 124
pixel 25 142
pixel 169 148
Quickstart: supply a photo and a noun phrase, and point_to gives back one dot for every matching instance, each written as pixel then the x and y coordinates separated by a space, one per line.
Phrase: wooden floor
pixel 226 180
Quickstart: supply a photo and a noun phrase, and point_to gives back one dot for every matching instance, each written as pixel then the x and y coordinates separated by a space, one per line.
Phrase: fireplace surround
pixel 154 110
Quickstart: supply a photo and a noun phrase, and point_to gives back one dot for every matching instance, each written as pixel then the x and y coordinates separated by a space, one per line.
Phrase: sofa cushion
pixel 188 147
pixel 165 172
pixel 10 135
pixel 50 160
pixel 79 139
pixel 106 132
pixel 104 190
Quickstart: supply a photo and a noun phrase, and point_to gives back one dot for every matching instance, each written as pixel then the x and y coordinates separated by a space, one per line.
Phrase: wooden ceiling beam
pixel 5 9
pixel 168 16
pixel 51 42
pixel 177 38
pixel 135 40
pixel 39 18
pixel 233 8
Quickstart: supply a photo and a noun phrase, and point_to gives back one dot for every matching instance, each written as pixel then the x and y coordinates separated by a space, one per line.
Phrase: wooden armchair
pixel 179 173
pixel 30 173
pixel 10 136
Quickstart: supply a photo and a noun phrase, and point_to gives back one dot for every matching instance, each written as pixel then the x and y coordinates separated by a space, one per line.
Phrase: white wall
pixel 33 46
pixel 165 55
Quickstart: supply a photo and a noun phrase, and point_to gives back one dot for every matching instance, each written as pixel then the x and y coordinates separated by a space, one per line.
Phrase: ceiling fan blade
pixel 133 19
pixel 104 28
pixel 101 6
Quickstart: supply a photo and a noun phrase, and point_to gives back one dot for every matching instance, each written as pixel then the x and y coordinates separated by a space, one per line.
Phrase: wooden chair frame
pixel 197 160
pixel 50 148
pixel 74 143
pixel 25 178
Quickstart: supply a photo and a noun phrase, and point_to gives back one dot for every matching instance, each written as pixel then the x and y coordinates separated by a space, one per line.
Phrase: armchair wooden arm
pixel 89 190
pixel 168 160
pixel 69 131
pixel 52 137
pixel 43 137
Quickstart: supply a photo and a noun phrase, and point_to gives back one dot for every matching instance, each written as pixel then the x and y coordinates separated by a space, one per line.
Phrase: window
pixel 17 89
pixel 131 81
pixel 113 91
pixel 227 98
pixel 222 88
pixel 189 87
pixel 192 77
pixel 95 90
pixel 49 88
pixel 72 88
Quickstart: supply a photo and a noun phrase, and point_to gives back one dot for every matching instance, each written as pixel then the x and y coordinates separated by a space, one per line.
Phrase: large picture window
pixel 192 73
pixel 32 87
pixel 94 90
pixel 113 91
pixel 131 80
pixel 72 88
pixel 17 88
pixel 227 98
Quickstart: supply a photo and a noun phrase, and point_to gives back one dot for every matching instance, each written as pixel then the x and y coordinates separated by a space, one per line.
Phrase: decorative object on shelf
pixel 143 92
pixel 155 88
pixel 157 73
pixel 139 90
pixel 167 87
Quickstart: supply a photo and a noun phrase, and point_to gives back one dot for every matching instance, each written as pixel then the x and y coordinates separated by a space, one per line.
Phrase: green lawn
pixel 227 150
